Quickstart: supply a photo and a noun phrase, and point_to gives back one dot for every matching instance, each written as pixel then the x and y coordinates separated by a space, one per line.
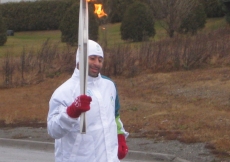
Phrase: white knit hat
pixel 94 49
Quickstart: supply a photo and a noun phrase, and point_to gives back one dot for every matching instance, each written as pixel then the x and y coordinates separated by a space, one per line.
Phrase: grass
pixel 33 40
pixel 214 23
pixel 187 106
pixel 29 40
pixel 111 33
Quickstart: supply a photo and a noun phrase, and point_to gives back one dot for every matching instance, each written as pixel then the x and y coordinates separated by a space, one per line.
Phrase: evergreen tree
pixel 227 10
pixel 213 8
pixel 195 20
pixel 70 22
pixel 118 8
pixel 137 23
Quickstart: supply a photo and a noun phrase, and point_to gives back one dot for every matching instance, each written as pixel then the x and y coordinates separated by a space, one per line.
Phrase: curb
pixel 27 144
pixel 49 147
pixel 139 155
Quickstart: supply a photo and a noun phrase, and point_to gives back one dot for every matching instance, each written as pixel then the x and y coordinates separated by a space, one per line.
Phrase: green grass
pixel 28 40
pixel 160 32
pixel 111 33
pixel 215 23
pixel 113 36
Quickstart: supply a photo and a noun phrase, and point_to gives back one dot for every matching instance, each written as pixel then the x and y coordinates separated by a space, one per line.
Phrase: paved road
pixel 11 154
pixel 34 151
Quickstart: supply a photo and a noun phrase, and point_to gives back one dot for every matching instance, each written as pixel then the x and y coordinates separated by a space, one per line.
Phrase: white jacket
pixel 99 144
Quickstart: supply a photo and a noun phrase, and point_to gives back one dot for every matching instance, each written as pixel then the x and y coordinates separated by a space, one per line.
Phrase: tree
pixel 69 25
pixel 118 8
pixel 3 29
pixel 196 20
pixel 137 23
pixel 227 10
pixel 172 12
pixel 213 8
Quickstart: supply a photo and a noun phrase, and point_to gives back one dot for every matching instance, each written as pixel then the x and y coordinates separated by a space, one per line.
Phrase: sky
pixel 4 1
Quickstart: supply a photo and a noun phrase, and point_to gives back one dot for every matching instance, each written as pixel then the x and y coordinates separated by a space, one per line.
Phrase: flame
pixel 99 11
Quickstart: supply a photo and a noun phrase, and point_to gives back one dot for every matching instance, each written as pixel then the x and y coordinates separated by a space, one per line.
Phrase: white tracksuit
pixel 99 144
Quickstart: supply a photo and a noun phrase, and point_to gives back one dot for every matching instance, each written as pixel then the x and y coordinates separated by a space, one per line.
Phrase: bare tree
pixel 172 12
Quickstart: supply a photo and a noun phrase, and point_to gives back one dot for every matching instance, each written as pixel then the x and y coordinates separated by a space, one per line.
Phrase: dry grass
pixel 27 104
pixel 190 106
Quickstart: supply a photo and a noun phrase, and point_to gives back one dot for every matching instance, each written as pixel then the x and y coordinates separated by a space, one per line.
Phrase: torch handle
pixel 83 55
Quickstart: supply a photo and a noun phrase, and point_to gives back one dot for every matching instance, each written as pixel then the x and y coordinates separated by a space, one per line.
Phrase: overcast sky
pixel 4 1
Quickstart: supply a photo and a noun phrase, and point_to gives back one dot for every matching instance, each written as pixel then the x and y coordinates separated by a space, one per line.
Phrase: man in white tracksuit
pixel 105 139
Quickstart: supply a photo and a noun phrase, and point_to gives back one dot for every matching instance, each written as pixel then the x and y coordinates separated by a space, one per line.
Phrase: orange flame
pixel 99 11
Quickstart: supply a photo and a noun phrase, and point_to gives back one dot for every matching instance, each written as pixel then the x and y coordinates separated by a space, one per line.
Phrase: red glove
pixel 122 147
pixel 81 104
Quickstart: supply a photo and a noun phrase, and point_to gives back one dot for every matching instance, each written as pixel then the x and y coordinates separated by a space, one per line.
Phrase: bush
pixel 213 8
pixel 38 15
pixel 227 10
pixel 69 25
pixel 228 17
pixel 194 21
pixel 118 8
pixel 3 29
pixel 137 23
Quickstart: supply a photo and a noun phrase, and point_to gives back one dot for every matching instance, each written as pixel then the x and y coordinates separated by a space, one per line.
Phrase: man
pixel 104 140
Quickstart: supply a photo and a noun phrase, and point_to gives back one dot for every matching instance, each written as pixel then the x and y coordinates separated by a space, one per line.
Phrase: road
pixel 10 154
pixel 12 150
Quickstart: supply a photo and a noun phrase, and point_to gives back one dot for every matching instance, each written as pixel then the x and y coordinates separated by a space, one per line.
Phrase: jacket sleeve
pixel 120 127
pixel 58 121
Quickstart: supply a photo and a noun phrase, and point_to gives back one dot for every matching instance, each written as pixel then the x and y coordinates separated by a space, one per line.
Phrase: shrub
pixel 3 29
pixel 228 17
pixel 38 15
pixel 227 10
pixel 195 20
pixel 137 23
pixel 118 8
pixel 69 25
pixel 213 8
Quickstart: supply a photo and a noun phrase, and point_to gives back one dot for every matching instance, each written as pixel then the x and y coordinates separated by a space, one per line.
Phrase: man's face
pixel 95 65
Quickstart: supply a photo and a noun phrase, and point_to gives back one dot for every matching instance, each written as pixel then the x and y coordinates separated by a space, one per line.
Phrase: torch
pixel 83 55
pixel 83 50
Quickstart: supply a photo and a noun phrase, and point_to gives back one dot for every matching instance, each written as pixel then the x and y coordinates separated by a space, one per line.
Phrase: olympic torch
pixel 83 49
pixel 83 55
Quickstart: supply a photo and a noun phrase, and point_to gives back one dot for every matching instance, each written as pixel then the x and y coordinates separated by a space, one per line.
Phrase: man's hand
pixel 122 147
pixel 81 104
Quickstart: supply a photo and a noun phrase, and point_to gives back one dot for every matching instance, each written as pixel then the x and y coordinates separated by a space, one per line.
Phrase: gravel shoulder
pixel 192 152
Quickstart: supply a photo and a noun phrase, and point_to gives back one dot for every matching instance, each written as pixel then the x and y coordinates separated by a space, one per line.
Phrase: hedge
pixel 38 15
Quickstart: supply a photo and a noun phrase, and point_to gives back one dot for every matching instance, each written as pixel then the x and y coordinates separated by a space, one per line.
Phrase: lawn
pixel 32 40
pixel 28 40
